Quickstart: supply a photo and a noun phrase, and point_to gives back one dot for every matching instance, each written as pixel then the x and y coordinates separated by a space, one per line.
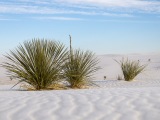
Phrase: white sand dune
pixel 112 100
pixel 4 79
pixel 91 104
pixel 111 69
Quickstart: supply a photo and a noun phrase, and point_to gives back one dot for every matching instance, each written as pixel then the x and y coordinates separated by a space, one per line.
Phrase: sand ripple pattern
pixel 92 104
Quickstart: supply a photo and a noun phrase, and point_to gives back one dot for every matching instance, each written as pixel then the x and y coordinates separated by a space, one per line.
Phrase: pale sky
pixel 102 26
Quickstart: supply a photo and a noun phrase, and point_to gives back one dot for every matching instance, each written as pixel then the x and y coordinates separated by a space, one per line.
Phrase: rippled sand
pixel 140 103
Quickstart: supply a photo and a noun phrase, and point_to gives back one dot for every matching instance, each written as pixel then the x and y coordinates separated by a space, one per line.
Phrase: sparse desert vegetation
pixel 44 63
pixel 111 93
pixel 131 69
pixel 78 79
pixel 79 68
pixel 37 62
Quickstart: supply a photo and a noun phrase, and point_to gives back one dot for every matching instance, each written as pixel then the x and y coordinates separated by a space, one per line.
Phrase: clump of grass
pixel 131 69
pixel 79 68
pixel 37 62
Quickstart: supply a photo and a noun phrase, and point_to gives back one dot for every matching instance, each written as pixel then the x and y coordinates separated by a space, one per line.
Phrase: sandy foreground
pixel 112 100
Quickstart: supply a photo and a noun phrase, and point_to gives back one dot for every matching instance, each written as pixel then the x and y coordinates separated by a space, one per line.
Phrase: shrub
pixel 131 69
pixel 37 62
pixel 79 68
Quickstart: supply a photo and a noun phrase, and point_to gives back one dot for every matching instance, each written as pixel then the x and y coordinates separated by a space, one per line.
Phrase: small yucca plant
pixel 131 69
pixel 79 68
pixel 37 62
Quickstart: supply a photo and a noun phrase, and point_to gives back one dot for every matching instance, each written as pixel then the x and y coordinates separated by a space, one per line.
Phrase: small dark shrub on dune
pixel 79 68
pixel 131 69
pixel 37 62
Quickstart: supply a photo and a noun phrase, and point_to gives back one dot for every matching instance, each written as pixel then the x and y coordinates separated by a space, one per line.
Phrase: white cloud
pixel 128 21
pixel 35 9
pixel 144 5
pixel 59 18
pixel 27 9
pixel 7 19
pixel 114 8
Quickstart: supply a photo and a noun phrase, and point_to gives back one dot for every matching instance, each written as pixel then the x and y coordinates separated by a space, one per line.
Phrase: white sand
pixel 113 100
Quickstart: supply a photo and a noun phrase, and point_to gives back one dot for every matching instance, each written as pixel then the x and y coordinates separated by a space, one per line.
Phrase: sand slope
pixel 92 104
pixel 111 69
pixel 112 100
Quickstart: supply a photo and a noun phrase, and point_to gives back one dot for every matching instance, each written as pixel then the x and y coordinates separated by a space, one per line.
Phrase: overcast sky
pixel 102 26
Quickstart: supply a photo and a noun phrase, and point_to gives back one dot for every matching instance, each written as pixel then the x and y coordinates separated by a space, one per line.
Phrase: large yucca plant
pixel 131 69
pixel 37 62
pixel 79 68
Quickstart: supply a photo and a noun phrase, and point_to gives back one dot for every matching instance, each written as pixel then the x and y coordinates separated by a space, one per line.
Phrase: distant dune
pixel 111 69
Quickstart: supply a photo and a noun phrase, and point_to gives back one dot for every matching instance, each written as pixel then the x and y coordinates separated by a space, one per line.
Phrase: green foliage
pixel 131 69
pixel 37 62
pixel 79 68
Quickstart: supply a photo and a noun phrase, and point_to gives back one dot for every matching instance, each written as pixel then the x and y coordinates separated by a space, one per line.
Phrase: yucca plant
pixel 37 62
pixel 79 68
pixel 131 69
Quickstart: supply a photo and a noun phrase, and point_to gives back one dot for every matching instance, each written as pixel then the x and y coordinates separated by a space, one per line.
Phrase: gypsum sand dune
pixel 113 103
pixel 113 100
